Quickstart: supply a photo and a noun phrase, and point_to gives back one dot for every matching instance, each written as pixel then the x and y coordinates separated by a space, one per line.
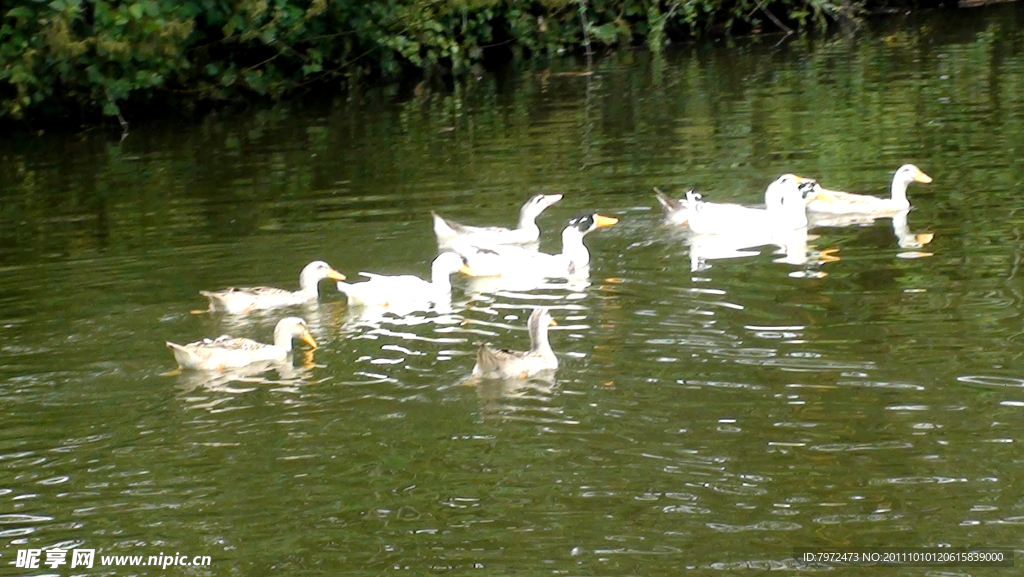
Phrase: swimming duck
pixel 504 364
pixel 246 299
pixel 226 352
pixel 836 202
pixel 506 260
pixel 785 198
pixel 449 232
pixel 384 290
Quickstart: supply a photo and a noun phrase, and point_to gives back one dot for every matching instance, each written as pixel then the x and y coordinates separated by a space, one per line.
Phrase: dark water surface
pixel 703 421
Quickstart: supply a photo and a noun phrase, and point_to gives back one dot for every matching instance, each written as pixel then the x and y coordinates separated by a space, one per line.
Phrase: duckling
pixel 227 352
pixel 504 364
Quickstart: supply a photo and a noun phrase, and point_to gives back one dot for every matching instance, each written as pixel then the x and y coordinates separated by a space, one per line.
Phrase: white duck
pixel 246 299
pixel 449 232
pixel 226 352
pixel 384 291
pixel 504 260
pixel 494 363
pixel 785 209
pixel 836 202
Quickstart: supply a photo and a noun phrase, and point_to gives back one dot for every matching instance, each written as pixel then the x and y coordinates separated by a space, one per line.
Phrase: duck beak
pixel 464 269
pixel 552 323
pixel 922 177
pixel 801 179
pixel 335 275
pixel 308 339
pixel 602 221
pixel 550 199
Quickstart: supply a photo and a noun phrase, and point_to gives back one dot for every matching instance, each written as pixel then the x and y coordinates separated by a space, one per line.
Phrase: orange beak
pixel 922 177
pixel 602 221
pixel 308 339
pixel 335 275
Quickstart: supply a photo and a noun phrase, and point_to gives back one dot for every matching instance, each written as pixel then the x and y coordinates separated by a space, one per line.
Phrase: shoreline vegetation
pixel 90 61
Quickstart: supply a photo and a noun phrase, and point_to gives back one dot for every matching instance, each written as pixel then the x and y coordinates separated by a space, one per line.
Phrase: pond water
pixel 709 414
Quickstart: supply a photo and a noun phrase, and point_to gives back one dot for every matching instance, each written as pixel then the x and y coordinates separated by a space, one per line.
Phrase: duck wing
pixel 491 361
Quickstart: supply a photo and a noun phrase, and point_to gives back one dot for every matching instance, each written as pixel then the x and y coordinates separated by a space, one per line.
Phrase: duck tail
pixel 487 361
pixel 669 204
pixel 443 230
pixel 216 303
pixel 181 354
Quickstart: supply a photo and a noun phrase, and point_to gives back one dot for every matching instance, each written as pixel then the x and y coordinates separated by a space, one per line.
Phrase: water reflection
pixel 514 398
pixel 791 245
pixel 905 238
pixel 247 378
pixel 528 287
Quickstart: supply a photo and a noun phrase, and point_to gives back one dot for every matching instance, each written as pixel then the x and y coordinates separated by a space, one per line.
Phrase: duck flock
pixel 513 253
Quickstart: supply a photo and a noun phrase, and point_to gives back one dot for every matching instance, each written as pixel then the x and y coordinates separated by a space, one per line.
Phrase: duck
pixel 246 299
pixel 398 290
pixel 786 200
pixel 226 352
pixel 449 232
pixel 507 260
pixel 837 202
pixel 494 363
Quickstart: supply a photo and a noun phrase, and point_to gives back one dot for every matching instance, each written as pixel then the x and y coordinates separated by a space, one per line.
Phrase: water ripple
pixel 759 526
pixel 847 447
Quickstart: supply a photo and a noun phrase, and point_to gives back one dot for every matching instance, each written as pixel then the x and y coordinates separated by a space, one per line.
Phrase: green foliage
pixel 98 55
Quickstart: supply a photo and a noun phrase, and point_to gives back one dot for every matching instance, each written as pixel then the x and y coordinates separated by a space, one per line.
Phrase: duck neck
pixel 528 218
pixel 283 338
pixel 791 212
pixel 574 249
pixel 539 340
pixel 440 278
pixel 899 192
pixel 309 286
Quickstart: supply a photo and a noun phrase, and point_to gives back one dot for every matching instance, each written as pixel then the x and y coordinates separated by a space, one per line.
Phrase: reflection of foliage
pixel 66 54
pixel 720 120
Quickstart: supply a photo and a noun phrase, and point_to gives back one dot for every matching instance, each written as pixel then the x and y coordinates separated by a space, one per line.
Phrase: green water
pixel 704 420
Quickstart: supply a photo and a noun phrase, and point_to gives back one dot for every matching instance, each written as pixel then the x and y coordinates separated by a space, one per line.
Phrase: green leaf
pixel 20 12
pixel 606 33
pixel 151 8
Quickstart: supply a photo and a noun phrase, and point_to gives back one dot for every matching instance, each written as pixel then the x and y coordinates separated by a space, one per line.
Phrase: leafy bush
pixel 63 56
